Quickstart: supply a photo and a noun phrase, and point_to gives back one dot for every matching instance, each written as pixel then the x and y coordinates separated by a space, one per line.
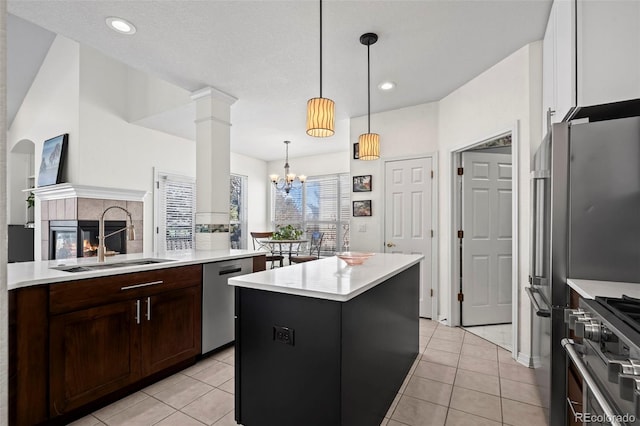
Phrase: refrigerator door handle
pixel 539 311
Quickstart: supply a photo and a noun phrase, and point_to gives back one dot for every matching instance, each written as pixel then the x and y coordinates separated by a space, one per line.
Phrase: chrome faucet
pixel 131 235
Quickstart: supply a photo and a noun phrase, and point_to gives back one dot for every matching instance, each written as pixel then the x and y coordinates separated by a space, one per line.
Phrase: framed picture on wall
pixel 53 154
pixel 356 153
pixel 362 208
pixel 362 183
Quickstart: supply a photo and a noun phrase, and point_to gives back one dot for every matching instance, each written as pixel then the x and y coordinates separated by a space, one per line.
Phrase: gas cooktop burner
pixel 626 308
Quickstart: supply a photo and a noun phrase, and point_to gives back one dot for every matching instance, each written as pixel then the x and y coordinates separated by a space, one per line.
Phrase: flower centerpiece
pixel 287 232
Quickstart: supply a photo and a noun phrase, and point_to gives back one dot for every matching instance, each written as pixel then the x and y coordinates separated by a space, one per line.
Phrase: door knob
pixel 390 245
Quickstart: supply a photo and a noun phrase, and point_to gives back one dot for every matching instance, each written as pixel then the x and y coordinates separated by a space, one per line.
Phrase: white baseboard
pixel 526 360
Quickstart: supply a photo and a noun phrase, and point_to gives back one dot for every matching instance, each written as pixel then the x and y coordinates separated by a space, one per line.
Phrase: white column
pixel 213 170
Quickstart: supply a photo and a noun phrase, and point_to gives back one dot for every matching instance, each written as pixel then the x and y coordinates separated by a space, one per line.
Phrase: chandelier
pixel 290 180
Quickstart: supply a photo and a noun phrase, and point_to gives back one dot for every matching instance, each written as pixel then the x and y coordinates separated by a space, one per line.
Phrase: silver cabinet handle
pixel 138 311
pixel 567 344
pixel 129 287
pixel 148 308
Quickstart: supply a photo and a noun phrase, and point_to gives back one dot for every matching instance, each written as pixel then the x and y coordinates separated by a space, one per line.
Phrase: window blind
pixel 322 204
pixel 176 212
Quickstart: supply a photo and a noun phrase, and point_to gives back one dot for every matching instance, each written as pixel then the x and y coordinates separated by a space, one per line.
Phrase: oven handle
pixel 568 346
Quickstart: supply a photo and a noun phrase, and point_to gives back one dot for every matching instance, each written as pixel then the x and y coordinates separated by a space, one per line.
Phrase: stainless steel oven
pixel 607 355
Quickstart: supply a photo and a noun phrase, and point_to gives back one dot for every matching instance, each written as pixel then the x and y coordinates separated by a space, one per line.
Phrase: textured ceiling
pixel 266 53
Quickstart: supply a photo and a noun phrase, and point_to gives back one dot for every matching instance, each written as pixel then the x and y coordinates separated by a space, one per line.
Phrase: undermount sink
pixel 100 266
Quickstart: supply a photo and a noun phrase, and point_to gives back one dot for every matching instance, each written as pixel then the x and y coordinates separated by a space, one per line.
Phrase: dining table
pixel 285 247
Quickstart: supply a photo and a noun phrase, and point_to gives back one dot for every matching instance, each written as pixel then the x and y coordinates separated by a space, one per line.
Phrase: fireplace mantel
pixel 68 190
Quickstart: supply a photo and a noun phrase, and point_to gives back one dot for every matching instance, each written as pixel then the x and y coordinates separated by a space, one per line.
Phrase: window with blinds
pixel 238 212
pixel 175 199
pixel 322 204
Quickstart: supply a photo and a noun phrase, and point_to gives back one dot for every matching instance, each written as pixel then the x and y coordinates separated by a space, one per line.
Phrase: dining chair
pixel 314 249
pixel 259 244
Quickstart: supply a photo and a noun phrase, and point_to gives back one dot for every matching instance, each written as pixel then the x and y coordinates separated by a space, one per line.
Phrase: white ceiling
pixel 266 53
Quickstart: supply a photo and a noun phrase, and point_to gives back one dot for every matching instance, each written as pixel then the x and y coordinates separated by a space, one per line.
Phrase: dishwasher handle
pixel 230 270
pixel 568 346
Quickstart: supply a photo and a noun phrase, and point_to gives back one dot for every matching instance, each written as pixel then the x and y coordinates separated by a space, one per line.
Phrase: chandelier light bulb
pixel 289 180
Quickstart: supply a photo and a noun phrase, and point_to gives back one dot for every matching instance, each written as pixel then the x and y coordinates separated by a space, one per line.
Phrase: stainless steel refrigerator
pixel 585 195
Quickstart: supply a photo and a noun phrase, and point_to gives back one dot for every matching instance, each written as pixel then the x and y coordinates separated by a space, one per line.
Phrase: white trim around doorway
pixel 454 273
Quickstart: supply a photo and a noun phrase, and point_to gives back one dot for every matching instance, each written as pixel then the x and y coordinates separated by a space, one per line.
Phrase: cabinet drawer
pixel 73 295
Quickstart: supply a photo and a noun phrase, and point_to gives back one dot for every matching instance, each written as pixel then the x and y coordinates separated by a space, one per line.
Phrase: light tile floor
pixel 457 379
pixel 500 334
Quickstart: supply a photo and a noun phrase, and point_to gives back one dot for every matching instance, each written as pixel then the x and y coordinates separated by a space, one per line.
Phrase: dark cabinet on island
pixel 322 343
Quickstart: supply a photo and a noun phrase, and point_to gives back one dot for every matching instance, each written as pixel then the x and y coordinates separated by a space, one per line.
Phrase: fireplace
pixel 79 238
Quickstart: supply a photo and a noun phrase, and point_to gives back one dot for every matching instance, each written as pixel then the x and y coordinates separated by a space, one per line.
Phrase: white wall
pixel 104 148
pixel 4 300
pixel 18 168
pixel 50 108
pixel 111 145
pixel 506 94
pixel 257 181
pixel 406 132
pixel 316 165
pixel 84 93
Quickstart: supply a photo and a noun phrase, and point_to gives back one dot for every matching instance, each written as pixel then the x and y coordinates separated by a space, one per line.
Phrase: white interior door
pixel 486 242
pixel 408 217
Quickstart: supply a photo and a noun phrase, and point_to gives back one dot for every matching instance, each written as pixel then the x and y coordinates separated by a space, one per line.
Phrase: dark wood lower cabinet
pixel 93 352
pixel 171 333
pixel 79 344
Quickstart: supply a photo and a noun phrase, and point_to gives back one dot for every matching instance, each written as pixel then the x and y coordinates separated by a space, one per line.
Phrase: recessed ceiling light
pixel 386 85
pixel 121 25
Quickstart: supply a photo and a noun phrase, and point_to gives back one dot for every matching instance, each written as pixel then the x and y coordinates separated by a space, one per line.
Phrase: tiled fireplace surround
pixel 78 208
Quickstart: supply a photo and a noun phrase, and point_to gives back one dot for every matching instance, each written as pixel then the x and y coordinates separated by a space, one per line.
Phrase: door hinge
pixel 461 234
pixel 431 174
pixel 460 297
pixel 460 171
pixel 432 233
pixel 431 292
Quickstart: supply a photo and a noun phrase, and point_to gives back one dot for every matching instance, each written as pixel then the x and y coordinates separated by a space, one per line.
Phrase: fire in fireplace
pixel 79 238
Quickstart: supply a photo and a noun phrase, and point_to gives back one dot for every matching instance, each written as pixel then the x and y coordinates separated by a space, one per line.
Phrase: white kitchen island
pixel 323 343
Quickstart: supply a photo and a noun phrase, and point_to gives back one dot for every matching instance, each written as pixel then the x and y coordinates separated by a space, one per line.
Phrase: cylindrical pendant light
pixel 320 111
pixel 369 143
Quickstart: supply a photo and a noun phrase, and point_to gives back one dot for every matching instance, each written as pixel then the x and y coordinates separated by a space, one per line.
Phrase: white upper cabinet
pixel 558 62
pixel 608 35
pixel 591 55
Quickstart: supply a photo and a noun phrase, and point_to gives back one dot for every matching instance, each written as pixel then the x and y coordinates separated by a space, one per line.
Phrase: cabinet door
pixel 548 69
pixel 171 328
pixel 608 49
pixel 558 63
pixel 92 352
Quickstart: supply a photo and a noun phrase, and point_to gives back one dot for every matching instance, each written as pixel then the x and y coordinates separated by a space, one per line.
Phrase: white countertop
pixel 589 289
pixel 329 278
pixel 24 274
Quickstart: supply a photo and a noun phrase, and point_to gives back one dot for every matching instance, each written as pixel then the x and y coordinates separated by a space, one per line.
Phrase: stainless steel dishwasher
pixel 218 301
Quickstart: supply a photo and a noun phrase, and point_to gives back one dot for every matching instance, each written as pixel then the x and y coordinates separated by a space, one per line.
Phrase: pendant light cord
pixel 320 48
pixel 368 90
